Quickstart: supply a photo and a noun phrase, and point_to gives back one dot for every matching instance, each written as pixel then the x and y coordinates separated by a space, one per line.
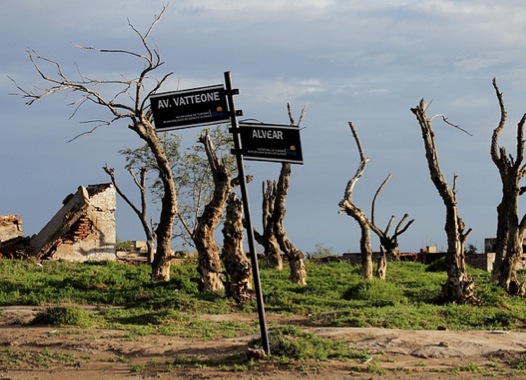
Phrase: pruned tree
pixel 348 206
pixel 195 180
pixel 130 102
pixel 388 243
pixel 237 265
pixel 203 181
pixel 295 257
pixel 268 237
pixel 209 266
pixel 510 232
pixel 460 287
pixel 274 237
pixel 141 213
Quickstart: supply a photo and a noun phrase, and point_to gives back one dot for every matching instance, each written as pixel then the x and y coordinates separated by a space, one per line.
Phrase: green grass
pixel 335 295
pixel 18 358
pixel 83 296
pixel 291 343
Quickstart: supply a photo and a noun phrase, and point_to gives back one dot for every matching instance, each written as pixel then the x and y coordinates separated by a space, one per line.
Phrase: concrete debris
pixel 10 227
pixel 13 244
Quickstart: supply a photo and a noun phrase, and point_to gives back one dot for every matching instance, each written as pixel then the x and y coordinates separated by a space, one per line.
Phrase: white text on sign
pixel 267 134
pixel 189 99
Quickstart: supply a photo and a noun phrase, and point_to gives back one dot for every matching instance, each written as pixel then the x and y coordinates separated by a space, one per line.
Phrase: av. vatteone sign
pixel 189 108
pixel 271 142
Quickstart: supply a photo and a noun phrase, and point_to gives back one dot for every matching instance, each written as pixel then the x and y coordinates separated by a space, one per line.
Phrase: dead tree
pixel 237 265
pixel 510 231
pixel 295 257
pixel 268 237
pixel 388 243
pixel 274 237
pixel 130 102
pixel 142 212
pixel 209 266
pixel 348 206
pixel 460 287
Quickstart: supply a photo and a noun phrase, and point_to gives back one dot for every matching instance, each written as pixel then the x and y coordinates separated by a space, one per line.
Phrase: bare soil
pixel 66 353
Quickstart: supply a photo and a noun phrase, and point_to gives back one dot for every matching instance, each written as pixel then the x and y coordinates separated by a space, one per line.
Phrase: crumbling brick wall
pixel 83 229
pixel 10 227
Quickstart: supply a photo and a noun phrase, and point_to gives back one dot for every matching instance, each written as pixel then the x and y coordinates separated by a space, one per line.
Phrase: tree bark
pixel 298 273
pixel 209 266
pixel 509 231
pixel 460 287
pixel 388 244
pixel 237 265
pixel 268 238
pixel 347 205
pixel 162 260
pixel 381 269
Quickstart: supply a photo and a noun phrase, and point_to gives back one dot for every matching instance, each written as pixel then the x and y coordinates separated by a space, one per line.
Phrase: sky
pixel 343 60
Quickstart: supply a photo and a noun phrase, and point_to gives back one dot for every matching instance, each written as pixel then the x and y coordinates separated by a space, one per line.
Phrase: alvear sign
pixel 271 142
pixel 188 108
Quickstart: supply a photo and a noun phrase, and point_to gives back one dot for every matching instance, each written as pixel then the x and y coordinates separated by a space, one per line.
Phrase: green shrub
pixel 291 343
pixel 64 316
pixel 437 265
pixel 376 292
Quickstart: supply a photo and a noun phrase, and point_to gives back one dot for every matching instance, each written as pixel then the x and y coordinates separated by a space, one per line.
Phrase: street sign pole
pixel 246 205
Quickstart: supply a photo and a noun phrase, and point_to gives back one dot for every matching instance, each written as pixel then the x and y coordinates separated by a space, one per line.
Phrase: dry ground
pixel 50 353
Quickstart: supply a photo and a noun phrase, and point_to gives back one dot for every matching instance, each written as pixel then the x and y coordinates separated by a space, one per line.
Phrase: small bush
pixel 437 265
pixel 64 316
pixel 377 293
pixel 291 343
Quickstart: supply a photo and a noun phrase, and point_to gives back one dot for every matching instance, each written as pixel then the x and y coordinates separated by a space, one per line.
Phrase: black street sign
pixel 188 108
pixel 271 142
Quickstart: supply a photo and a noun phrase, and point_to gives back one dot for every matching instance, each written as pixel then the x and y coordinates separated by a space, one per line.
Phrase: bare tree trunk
pixel 298 273
pixel 388 244
pixel 162 260
pixel 237 265
pixel 268 238
pixel 460 287
pixel 509 232
pixel 150 250
pixel 142 213
pixel 381 270
pixel 366 251
pixel 347 205
pixel 209 266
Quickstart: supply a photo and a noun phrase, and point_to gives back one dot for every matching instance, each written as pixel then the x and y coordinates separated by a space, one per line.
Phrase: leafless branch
pixel 444 118
pixel 361 166
pixel 373 205
pixel 291 117
pixel 58 81
pixel 111 173
pixel 102 124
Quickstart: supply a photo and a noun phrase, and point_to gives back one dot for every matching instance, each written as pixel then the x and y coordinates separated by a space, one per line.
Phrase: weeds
pixel 334 296
pixel 65 316
pixel 45 358
pixel 291 343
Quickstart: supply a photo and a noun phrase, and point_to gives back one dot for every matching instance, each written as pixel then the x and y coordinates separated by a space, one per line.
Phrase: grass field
pixel 124 298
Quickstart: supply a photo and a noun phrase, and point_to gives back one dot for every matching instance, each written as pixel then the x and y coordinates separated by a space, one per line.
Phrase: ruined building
pixel 83 229
pixel 12 239
pixel 10 228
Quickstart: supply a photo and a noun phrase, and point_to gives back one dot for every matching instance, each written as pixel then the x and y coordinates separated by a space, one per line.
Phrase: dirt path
pixel 48 353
